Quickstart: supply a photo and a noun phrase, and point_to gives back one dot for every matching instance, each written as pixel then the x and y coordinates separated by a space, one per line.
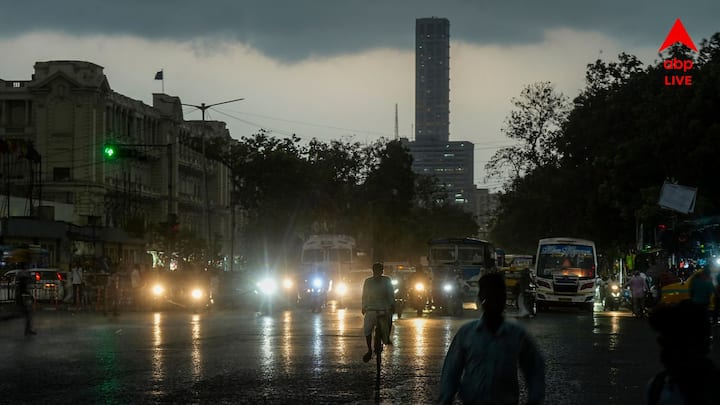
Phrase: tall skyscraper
pixel 432 80
pixel 449 162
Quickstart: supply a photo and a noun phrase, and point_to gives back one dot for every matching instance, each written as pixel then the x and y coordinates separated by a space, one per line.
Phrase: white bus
pixel 333 255
pixel 565 272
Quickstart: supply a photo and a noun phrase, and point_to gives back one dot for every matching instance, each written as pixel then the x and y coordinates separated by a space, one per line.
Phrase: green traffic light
pixel 110 151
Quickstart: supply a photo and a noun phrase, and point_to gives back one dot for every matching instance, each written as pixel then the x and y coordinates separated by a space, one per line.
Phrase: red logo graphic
pixel 678 34
pixel 681 66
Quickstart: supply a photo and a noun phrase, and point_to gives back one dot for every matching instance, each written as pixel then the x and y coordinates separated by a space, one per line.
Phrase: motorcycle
pixel 530 299
pixel 314 293
pixel 400 297
pixel 613 297
pixel 451 298
pixel 418 297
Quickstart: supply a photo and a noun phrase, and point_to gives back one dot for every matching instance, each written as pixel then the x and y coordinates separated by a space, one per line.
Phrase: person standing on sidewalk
pixel 136 284
pixel 76 274
pixel 112 293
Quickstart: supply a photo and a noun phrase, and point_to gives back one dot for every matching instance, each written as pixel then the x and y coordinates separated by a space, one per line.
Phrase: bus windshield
pixel 443 254
pixel 566 259
pixel 313 256
pixel 469 254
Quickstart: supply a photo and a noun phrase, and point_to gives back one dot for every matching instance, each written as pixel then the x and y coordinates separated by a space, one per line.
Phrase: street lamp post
pixel 202 107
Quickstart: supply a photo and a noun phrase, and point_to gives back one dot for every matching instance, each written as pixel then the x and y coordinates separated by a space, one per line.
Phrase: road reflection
pixel 266 358
pixel 340 349
pixel 157 362
pixel 317 344
pixel 195 354
pixel 287 345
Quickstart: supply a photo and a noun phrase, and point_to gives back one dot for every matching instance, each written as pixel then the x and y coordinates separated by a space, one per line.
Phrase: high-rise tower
pixel 432 80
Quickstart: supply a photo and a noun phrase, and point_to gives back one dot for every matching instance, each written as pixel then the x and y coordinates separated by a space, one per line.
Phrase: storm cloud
pixel 291 31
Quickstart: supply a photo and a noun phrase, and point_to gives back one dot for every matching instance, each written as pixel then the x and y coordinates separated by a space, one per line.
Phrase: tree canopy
pixel 626 134
pixel 289 191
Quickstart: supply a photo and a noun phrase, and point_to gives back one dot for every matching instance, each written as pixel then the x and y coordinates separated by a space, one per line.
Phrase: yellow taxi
pixel 676 292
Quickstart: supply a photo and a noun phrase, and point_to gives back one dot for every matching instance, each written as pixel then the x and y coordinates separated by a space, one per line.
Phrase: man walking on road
pixel 482 362
pixel 637 289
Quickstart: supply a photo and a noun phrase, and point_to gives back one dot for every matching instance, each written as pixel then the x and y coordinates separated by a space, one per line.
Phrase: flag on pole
pixel 159 75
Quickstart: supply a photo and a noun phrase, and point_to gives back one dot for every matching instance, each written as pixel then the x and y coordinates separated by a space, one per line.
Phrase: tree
pixel 535 123
pixel 626 134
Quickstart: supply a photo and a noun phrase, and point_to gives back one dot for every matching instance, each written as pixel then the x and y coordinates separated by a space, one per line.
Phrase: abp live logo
pixel 678 68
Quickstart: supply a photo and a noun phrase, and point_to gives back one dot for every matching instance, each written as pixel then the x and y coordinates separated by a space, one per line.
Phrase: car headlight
pixel 447 287
pixel 196 293
pixel 158 290
pixel 287 283
pixel 342 288
pixel 394 282
pixel 317 283
pixel 419 287
pixel 267 286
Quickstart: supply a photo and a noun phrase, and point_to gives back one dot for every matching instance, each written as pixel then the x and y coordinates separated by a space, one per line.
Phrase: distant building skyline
pixel 432 80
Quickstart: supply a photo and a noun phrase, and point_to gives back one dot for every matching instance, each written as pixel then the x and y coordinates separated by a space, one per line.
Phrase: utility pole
pixel 202 107
pixel 397 131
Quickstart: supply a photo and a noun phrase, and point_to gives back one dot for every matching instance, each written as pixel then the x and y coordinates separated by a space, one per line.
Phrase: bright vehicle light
pixel 317 283
pixel 267 286
pixel 287 283
pixel 419 287
pixel 394 282
pixel 717 261
pixel 196 293
pixel 342 288
pixel 158 289
pixel 614 287
pixel 447 287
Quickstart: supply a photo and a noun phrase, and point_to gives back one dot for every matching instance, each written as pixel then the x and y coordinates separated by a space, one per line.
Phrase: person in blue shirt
pixel 482 362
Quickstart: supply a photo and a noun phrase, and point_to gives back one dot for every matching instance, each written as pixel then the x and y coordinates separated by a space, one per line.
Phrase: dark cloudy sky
pixel 334 68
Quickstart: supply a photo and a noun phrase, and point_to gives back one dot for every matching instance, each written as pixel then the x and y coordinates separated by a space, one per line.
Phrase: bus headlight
pixel 419 287
pixel 287 283
pixel 196 293
pixel 342 288
pixel 317 283
pixel 394 282
pixel 447 287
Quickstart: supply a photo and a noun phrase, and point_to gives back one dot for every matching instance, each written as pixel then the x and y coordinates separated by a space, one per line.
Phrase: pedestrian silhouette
pixel 482 361
pixel 689 377
pixel 23 299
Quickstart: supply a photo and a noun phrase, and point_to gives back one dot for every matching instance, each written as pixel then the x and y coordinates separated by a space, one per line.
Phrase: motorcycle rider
pixel 377 295
pixel 419 277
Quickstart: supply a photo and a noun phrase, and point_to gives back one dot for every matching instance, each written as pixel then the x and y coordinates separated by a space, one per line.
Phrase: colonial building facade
pixel 67 112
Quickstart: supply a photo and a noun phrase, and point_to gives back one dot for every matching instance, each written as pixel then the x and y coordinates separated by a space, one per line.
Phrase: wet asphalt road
pixel 235 356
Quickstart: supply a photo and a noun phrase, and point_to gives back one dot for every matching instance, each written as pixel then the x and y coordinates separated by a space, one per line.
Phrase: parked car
pixel 48 285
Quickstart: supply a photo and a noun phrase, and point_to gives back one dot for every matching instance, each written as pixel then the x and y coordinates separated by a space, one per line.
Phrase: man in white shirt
pixel 378 299
pixel 76 275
